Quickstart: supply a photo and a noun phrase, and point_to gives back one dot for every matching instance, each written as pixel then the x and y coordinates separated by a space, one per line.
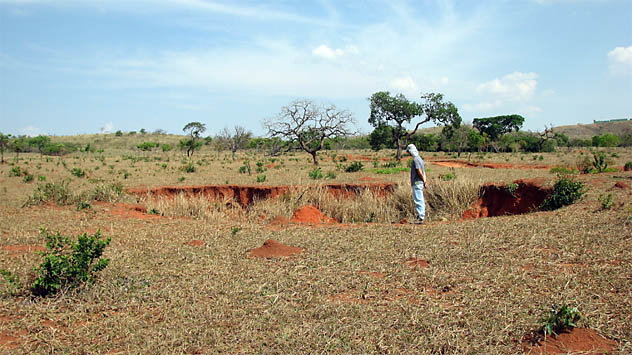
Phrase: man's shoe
pixel 418 221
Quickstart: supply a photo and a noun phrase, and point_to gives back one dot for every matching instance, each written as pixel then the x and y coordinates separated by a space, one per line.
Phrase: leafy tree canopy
pixel 495 127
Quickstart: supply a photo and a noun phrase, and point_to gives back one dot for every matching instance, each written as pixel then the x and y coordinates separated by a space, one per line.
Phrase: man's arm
pixel 422 174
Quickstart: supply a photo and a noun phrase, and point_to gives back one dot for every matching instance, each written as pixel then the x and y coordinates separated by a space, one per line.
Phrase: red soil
pixel 464 164
pixel 125 210
pixel 23 248
pixel 497 201
pixel 310 215
pixel 195 243
pixel 273 249
pixel 622 185
pixel 583 340
pixel 245 195
pixel 415 263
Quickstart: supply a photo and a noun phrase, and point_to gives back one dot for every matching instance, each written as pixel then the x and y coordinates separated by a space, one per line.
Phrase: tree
pixel 460 139
pixel 40 142
pixel 194 129
pixel 605 140
pixel 395 111
pixel 4 144
pixel 495 127
pixel 307 124
pixel 382 137
pixel 236 139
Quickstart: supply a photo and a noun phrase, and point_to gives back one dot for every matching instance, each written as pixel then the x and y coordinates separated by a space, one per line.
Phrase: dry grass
pixel 488 282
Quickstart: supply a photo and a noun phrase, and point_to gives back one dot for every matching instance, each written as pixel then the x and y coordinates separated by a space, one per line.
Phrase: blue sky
pixel 89 66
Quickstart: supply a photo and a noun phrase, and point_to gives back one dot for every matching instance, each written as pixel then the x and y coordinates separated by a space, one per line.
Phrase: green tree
pixel 495 127
pixel 605 140
pixel 39 142
pixel 308 125
pixel 396 111
pixel 382 137
pixel 194 129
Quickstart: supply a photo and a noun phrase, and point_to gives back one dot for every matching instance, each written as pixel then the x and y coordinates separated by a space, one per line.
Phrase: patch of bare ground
pixel 273 249
pixel 576 341
pixel 525 196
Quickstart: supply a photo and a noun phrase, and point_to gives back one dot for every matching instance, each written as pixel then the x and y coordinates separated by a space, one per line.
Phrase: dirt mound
pixel 579 340
pixel 245 195
pixel 415 263
pixel 465 164
pixel 621 185
pixel 273 249
pixel 523 196
pixel 310 215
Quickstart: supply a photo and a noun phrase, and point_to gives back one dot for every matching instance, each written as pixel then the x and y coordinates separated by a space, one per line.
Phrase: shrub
pixel 12 281
pixel 261 178
pixel 68 264
pixel 107 192
pixel 166 147
pixel 29 178
pixel 560 319
pixel 330 175
pixel 354 167
pixel 15 171
pixel 57 192
pixel 189 168
pixel 627 166
pixel 563 170
pixel 316 174
pixel 78 172
pixel 607 201
pixel 599 162
pixel 566 191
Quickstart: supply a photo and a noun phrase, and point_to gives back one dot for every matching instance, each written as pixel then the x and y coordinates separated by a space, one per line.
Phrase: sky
pixel 98 66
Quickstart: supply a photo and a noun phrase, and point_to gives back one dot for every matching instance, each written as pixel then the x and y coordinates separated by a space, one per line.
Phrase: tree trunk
pixel 398 156
pixel 314 157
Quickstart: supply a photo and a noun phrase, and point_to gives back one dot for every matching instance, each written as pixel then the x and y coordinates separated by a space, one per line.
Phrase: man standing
pixel 418 181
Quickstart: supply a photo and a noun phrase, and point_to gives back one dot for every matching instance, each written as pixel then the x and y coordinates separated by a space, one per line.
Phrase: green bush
pixel 606 201
pixel 15 171
pixel 566 191
pixel 78 172
pixel 261 178
pixel 68 264
pixel 189 168
pixel 354 167
pixel 560 319
pixel 316 174
pixel 57 192
pixel 627 166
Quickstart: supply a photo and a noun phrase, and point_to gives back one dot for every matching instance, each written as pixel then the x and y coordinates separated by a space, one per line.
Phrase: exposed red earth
pixel 22 248
pixel 273 249
pixel 311 215
pixel 499 201
pixel 195 243
pixel 578 340
pixel 415 263
pixel 621 185
pixel 245 195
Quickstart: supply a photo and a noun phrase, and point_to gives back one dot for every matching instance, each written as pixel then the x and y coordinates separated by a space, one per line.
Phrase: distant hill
pixel 586 131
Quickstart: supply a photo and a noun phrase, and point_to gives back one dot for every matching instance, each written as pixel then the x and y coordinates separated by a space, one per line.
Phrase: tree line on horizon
pixel 311 127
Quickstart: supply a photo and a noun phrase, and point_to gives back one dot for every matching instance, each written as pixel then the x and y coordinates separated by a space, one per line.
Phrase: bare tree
pixel 235 139
pixel 308 124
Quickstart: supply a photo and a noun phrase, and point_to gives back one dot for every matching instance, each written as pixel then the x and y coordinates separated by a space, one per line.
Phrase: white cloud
pixel 516 86
pixel 482 106
pixel 325 52
pixel 406 85
pixel 621 60
pixel 107 128
pixel 31 131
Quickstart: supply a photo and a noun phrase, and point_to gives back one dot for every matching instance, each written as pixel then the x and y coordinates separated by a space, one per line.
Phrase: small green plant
pixel 261 178
pixel 68 264
pixel 316 174
pixel 448 176
pixel 599 162
pixel 29 178
pixel 181 179
pixel 511 189
pixel 260 167
pixel 563 170
pixel 560 319
pixel 607 201
pixel 15 171
pixel 188 168
pixel 235 230
pixel 12 280
pixel 78 172
pixel 82 205
pixel 154 211
pixel 628 166
pixel 566 191
pixel 354 167
pixel 245 168
pixel 41 178
pixel 330 175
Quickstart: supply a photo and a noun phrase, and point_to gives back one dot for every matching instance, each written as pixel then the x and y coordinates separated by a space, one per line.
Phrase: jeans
pixel 418 198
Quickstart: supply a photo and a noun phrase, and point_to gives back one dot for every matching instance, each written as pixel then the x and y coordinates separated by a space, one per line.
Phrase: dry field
pixel 183 278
